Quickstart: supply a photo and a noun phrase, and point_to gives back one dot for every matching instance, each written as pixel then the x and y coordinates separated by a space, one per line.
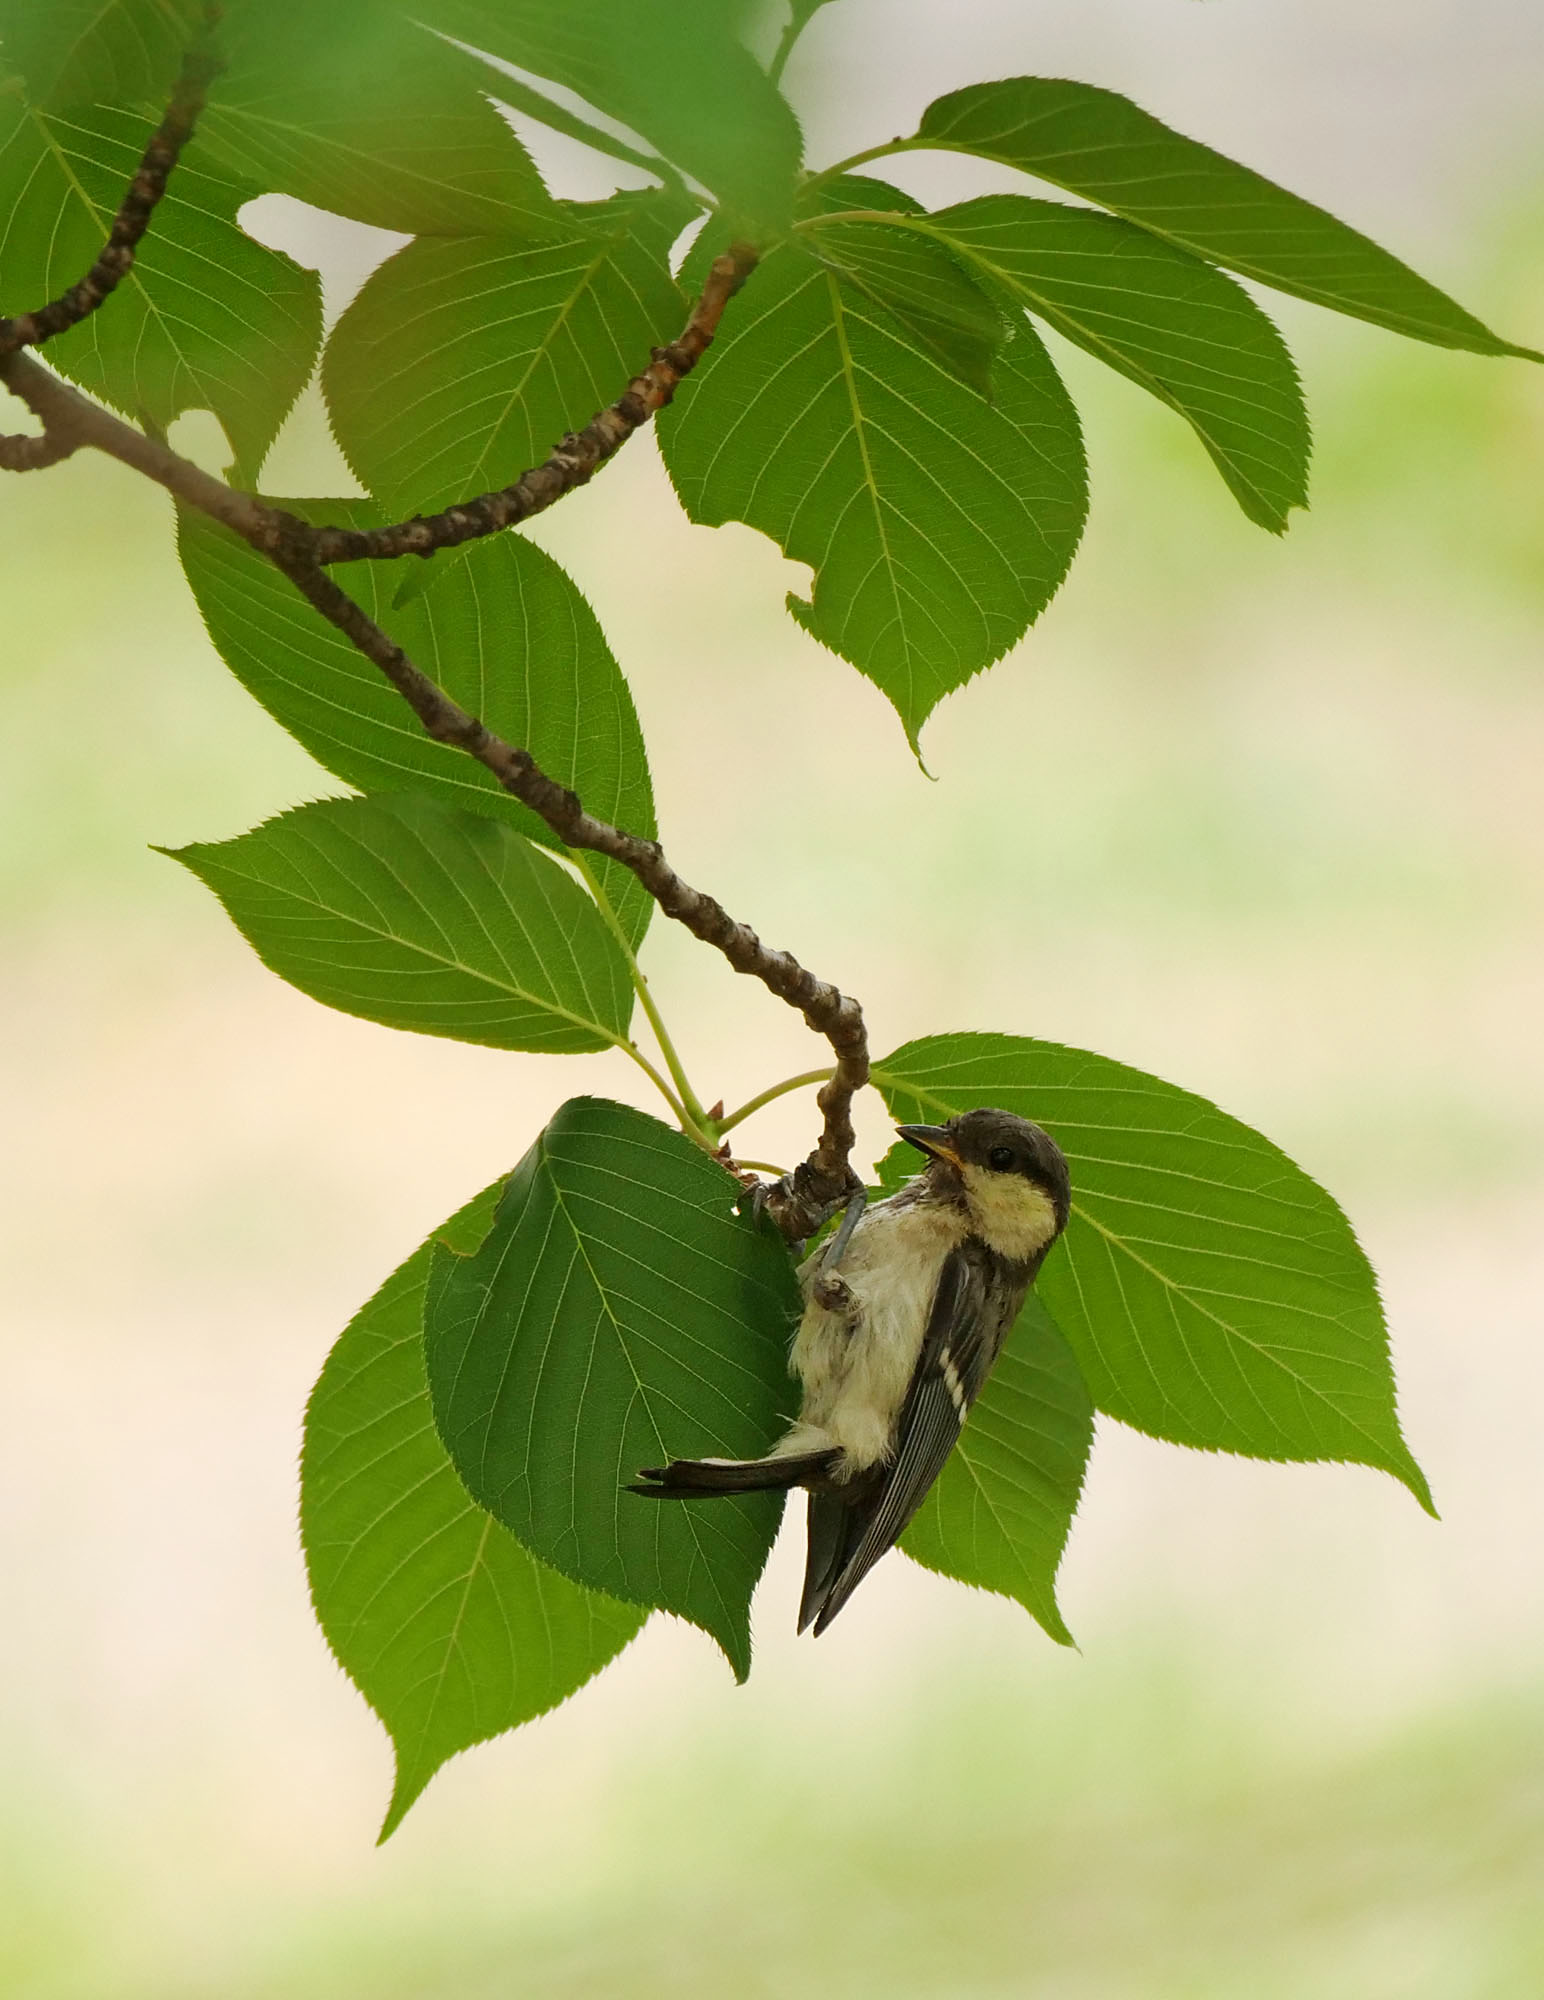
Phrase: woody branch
pixel 299 549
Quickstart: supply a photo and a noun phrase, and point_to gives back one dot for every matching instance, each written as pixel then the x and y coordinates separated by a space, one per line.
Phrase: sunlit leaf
pixel 449 1629
pixel 619 1314
pixel 1100 145
pixel 1212 1293
pixel 76 52
pixel 356 107
pixel 1000 1512
pixel 672 71
pixel 465 360
pixel 410 913
pixel 938 524
pixel 206 320
pixel 506 634
pixel 916 279
pixel 1186 333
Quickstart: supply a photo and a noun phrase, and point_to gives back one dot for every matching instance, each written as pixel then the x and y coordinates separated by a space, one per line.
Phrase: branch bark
pixel 30 329
pixel 801 1200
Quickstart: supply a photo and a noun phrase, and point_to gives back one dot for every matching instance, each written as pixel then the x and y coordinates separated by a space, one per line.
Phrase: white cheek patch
pixel 1011 1214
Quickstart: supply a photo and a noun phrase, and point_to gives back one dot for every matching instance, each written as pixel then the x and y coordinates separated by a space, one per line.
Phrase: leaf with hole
pixel 358 108
pixel 449 1628
pixel 671 71
pixel 619 1313
pixel 407 912
pixel 206 319
pixel 1001 1510
pixel 1098 144
pixel 506 633
pixel 938 525
pixel 1213 1294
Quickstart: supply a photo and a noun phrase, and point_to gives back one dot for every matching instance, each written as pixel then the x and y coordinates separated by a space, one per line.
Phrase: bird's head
pixel 1013 1177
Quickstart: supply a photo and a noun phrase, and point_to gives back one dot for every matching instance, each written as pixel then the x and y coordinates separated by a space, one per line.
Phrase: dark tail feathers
pixel 696 1478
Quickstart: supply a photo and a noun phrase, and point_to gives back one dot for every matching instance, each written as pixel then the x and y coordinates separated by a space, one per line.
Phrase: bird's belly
pixel 856 1362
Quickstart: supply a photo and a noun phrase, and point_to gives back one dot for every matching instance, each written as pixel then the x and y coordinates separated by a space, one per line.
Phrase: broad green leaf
pixel 1177 326
pixel 619 1314
pixel 407 912
pixel 206 320
pixel 671 70
pixel 449 1629
pixel 1212 1293
pixel 507 634
pixel 355 107
pixel 938 525
pixel 916 279
pixel 1000 1513
pixel 98 51
pixel 1100 145
pixel 465 360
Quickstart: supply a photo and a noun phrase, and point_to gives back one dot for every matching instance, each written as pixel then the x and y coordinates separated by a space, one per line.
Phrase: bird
pixel 906 1309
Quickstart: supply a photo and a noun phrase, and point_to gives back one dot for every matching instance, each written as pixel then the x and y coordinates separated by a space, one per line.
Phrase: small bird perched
pixel 906 1310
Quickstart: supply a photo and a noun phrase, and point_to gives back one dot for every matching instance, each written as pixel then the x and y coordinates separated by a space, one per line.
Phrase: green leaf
pixel 917 280
pixel 406 912
pixel 207 319
pixel 938 525
pixel 449 1629
pixel 671 70
pixel 1100 145
pixel 98 51
pixel 1190 336
pixel 464 360
pixel 507 635
pixel 620 1313
pixel 1002 1508
pixel 1212 1293
pixel 355 107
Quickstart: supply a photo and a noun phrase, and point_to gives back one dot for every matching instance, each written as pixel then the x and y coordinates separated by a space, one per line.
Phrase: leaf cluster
pixel 882 400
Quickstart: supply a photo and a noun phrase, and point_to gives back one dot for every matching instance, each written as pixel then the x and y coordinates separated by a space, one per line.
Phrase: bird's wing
pixel 967 1324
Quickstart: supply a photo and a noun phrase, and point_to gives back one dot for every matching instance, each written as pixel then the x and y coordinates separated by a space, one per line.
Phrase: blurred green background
pixel 1261 816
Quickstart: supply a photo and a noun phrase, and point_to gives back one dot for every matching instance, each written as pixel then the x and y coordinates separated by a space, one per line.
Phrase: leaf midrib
pixel 506 987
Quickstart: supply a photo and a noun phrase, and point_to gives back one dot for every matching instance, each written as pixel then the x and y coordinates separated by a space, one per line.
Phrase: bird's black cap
pixel 999 1142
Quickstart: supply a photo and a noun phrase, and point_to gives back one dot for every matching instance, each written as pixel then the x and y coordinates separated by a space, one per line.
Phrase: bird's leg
pixel 830 1289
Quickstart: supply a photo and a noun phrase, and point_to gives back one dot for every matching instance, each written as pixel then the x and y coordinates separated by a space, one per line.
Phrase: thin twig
pixel 20 453
pixel 30 329
pixel 575 460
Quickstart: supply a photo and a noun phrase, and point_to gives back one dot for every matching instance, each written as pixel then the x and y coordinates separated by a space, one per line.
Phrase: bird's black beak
pixel 932 1140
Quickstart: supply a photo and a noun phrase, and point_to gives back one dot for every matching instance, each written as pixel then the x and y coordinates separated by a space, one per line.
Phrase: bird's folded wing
pixel 965 1331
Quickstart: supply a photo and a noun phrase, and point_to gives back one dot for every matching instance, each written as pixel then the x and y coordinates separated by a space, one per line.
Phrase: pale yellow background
pixel 1263 817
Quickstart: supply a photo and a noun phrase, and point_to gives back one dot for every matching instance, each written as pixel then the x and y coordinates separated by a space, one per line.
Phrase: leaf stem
pixel 784 49
pixel 840 167
pixel 800 1082
pixel 687 1126
pixel 694 1120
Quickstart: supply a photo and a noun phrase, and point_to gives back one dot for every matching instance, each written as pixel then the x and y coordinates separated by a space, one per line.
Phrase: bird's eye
pixel 1000 1159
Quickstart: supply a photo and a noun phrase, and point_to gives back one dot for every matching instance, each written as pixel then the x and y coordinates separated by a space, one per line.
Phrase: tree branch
pixel 21 453
pixel 801 1200
pixel 575 460
pixel 30 329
